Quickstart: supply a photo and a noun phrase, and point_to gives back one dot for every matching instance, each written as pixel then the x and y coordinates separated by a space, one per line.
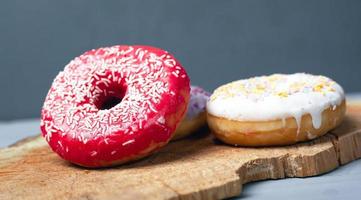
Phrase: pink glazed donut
pixel 115 104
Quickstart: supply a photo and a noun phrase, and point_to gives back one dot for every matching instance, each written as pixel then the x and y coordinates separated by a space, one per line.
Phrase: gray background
pixel 216 41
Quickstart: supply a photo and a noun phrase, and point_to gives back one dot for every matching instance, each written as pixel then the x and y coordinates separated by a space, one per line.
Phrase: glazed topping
pixel 276 97
pixel 197 102
pixel 104 88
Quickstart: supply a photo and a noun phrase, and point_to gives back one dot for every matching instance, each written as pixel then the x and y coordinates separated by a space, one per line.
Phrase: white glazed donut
pixel 278 109
pixel 196 115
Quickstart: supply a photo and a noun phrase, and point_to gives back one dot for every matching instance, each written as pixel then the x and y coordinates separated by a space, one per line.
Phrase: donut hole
pixel 110 96
pixel 109 102
pixel 109 89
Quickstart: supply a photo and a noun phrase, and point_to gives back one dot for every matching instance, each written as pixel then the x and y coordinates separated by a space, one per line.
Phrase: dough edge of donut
pixel 274 132
pixel 189 126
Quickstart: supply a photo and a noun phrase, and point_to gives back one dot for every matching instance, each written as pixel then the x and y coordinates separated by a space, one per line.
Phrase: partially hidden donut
pixel 115 104
pixel 196 113
pixel 278 109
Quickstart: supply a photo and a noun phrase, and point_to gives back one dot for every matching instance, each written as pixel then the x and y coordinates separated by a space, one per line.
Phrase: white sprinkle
pixel 128 142
pixel 93 153
pixel 152 108
pixel 60 144
pixel 170 62
pixel 161 120
pixel 175 74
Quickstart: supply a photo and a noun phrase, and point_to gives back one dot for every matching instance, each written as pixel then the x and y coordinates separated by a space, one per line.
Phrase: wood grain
pixel 199 167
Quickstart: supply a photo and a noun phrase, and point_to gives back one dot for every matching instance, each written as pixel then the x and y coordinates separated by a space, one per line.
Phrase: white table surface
pixel 342 183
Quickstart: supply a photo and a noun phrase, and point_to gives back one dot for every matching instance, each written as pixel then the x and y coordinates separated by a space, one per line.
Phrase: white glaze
pixel 276 97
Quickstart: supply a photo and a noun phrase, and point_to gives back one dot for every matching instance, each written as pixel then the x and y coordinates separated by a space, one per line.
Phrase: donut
pixel 196 113
pixel 115 104
pixel 279 109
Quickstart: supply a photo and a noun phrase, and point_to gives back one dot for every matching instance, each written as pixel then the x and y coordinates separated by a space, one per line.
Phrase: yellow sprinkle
pixel 259 89
pixel 318 88
pixel 283 94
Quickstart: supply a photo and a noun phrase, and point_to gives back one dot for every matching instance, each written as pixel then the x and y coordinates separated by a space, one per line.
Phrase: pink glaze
pixel 79 122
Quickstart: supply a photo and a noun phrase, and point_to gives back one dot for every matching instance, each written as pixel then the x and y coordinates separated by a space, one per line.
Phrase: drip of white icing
pixel 298 118
pixel 316 116
pixel 276 97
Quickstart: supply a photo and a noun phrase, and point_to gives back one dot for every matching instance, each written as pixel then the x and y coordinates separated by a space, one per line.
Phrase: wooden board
pixel 195 168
